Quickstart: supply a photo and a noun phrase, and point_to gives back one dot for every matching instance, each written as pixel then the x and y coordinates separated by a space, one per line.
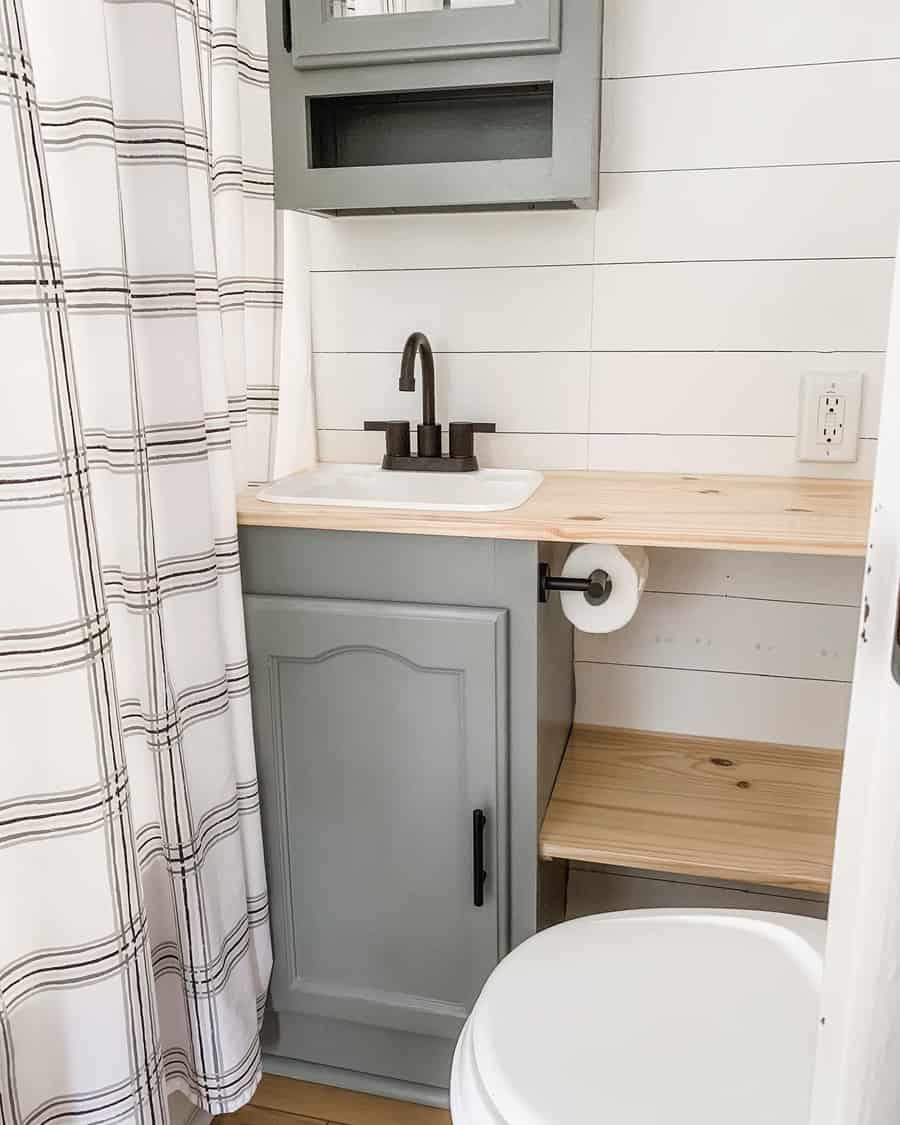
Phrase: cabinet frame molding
pixel 293 989
pixel 321 40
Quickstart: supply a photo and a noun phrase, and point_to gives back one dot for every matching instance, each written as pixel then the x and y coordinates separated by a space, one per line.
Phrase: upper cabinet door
pixel 474 103
pixel 326 33
pixel 381 729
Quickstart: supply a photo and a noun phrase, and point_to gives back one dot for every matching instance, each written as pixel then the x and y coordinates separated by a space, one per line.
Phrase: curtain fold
pixel 140 349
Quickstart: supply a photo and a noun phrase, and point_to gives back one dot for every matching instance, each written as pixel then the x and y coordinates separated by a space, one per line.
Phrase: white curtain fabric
pixel 295 447
pixel 140 347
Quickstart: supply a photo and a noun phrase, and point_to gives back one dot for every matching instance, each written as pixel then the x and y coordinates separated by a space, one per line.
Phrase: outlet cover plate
pixel 829 395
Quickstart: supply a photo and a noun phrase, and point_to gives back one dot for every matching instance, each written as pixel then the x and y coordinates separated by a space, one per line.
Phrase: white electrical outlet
pixel 829 416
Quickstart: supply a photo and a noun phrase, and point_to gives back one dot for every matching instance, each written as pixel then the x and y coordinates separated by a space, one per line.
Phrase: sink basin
pixel 370 486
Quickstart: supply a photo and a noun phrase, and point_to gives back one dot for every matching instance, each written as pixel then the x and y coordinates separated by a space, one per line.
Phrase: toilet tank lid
pixel 654 1017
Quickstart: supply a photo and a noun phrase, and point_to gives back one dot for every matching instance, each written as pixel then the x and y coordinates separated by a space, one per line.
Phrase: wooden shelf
pixel 799 515
pixel 746 812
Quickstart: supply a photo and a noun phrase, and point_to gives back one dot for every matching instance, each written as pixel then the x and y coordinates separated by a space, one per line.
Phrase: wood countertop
pixel 791 515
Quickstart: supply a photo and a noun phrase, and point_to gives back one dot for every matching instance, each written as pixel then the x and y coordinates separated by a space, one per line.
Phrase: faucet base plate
pixel 430 464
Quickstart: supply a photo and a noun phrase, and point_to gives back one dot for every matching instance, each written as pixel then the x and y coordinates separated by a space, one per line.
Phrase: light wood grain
pixel 280 1097
pixel 253 1114
pixel 742 811
pixel 792 515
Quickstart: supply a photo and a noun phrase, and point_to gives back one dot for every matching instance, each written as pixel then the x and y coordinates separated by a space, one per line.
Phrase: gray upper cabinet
pixel 337 33
pixel 399 682
pixel 380 728
pixel 477 104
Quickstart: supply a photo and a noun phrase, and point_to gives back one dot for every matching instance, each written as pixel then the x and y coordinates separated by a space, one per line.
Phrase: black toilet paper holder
pixel 596 587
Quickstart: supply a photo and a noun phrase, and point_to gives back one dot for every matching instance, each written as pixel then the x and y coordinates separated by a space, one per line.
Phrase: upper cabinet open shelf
pixel 471 103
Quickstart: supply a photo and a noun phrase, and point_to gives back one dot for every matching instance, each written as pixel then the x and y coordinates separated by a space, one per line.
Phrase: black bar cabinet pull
pixel 478 872
pixel 286 25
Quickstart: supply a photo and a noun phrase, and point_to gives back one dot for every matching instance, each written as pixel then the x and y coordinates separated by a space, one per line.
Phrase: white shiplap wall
pixel 749 201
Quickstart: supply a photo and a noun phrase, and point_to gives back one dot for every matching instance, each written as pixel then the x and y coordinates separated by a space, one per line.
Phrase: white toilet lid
pixel 654 1017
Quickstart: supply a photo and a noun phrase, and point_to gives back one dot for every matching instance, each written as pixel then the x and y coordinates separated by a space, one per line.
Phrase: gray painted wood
pixel 380 727
pixel 423 569
pixel 569 175
pixel 556 682
pixel 556 706
pixel 359 1050
pixel 423 574
pixel 527 27
pixel 364 1083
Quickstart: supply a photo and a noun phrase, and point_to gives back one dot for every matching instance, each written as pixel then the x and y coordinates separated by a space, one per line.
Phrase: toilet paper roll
pixel 627 567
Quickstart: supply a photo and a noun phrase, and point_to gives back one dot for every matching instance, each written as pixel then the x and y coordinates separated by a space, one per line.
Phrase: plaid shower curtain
pixel 139 334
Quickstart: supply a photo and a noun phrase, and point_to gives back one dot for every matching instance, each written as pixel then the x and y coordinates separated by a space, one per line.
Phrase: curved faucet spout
pixel 418 344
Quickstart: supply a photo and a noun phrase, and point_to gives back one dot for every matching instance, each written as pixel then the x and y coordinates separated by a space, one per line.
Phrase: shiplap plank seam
pixel 745 69
pixel 703 671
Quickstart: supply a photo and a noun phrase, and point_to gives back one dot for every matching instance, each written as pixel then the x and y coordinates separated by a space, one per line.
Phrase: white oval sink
pixel 370 486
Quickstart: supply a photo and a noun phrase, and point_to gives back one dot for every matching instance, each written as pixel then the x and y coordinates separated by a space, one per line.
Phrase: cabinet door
pixel 338 33
pixel 380 728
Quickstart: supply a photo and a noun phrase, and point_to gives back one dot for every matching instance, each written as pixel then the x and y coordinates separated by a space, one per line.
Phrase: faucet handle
pixel 397 437
pixel 462 436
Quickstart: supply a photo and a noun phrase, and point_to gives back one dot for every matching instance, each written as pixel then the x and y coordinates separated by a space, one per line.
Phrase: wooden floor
pixel 286 1101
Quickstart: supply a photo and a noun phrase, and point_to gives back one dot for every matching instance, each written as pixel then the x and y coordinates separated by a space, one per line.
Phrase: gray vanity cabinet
pixel 397 688
pixel 381 728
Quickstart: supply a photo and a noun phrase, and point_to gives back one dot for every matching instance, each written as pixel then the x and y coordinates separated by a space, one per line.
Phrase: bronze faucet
pixel 428 457
pixel 429 434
